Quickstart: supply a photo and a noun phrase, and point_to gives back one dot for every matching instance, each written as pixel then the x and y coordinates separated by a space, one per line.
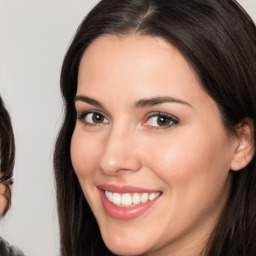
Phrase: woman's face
pixel 149 148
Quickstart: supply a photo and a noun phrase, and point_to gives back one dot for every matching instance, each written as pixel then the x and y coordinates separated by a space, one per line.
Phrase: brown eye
pixel 97 118
pixel 161 120
pixel 93 118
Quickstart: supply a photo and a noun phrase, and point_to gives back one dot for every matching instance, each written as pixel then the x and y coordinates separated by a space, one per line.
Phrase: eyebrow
pixel 88 100
pixel 147 102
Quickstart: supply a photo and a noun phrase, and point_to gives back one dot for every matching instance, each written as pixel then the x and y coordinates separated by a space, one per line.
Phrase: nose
pixel 119 154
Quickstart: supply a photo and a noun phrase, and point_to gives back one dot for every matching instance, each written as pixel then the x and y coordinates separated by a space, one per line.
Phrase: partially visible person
pixel 7 153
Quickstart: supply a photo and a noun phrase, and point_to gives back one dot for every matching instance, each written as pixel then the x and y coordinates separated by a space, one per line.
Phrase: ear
pixel 244 146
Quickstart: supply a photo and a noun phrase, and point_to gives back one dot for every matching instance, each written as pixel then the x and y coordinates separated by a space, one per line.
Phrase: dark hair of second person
pixel 7 152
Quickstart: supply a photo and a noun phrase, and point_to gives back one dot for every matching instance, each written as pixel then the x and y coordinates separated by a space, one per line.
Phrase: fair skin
pixel 176 146
pixel 3 200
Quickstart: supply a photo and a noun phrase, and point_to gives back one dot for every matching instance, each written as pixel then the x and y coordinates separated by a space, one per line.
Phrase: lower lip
pixel 125 213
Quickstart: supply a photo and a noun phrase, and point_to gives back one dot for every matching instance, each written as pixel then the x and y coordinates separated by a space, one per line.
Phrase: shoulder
pixel 7 250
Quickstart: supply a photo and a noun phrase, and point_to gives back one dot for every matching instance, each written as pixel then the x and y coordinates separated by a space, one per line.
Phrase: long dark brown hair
pixel 7 153
pixel 218 39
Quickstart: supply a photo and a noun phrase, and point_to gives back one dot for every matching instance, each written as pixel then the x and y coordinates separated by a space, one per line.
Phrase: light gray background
pixel 34 36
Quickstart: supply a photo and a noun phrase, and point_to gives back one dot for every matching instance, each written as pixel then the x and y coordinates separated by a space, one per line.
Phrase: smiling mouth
pixel 130 199
pixel 126 202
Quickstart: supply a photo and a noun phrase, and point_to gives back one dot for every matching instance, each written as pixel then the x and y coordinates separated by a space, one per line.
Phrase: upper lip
pixel 125 189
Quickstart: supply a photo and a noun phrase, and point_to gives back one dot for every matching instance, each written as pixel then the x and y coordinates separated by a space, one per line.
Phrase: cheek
pixel 83 153
pixel 190 158
pixel 3 200
pixel 195 173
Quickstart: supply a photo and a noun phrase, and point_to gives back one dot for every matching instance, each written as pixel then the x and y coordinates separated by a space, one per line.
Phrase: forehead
pixel 132 55
pixel 142 47
pixel 113 65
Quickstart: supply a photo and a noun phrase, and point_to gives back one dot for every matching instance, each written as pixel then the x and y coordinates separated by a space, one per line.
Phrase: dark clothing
pixel 8 250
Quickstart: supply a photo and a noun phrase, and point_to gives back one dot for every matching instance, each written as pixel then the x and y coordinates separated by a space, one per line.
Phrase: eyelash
pixel 83 116
pixel 169 118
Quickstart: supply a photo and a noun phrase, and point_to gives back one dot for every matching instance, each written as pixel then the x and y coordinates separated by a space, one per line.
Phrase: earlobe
pixel 244 146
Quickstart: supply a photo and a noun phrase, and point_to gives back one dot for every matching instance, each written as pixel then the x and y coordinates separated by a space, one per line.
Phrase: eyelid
pixel 83 114
pixel 81 107
pixel 174 120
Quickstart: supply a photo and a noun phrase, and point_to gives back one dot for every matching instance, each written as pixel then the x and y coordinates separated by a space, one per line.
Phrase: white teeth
pixel 130 199
pixel 144 198
pixel 126 200
pixel 117 198
pixel 110 196
pixel 153 196
pixel 136 199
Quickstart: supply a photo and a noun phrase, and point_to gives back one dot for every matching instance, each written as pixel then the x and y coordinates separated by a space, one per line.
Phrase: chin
pixel 127 251
pixel 123 248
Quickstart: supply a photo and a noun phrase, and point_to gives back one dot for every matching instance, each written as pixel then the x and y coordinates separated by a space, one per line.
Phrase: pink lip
pixel 124 213
pixel 124 189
